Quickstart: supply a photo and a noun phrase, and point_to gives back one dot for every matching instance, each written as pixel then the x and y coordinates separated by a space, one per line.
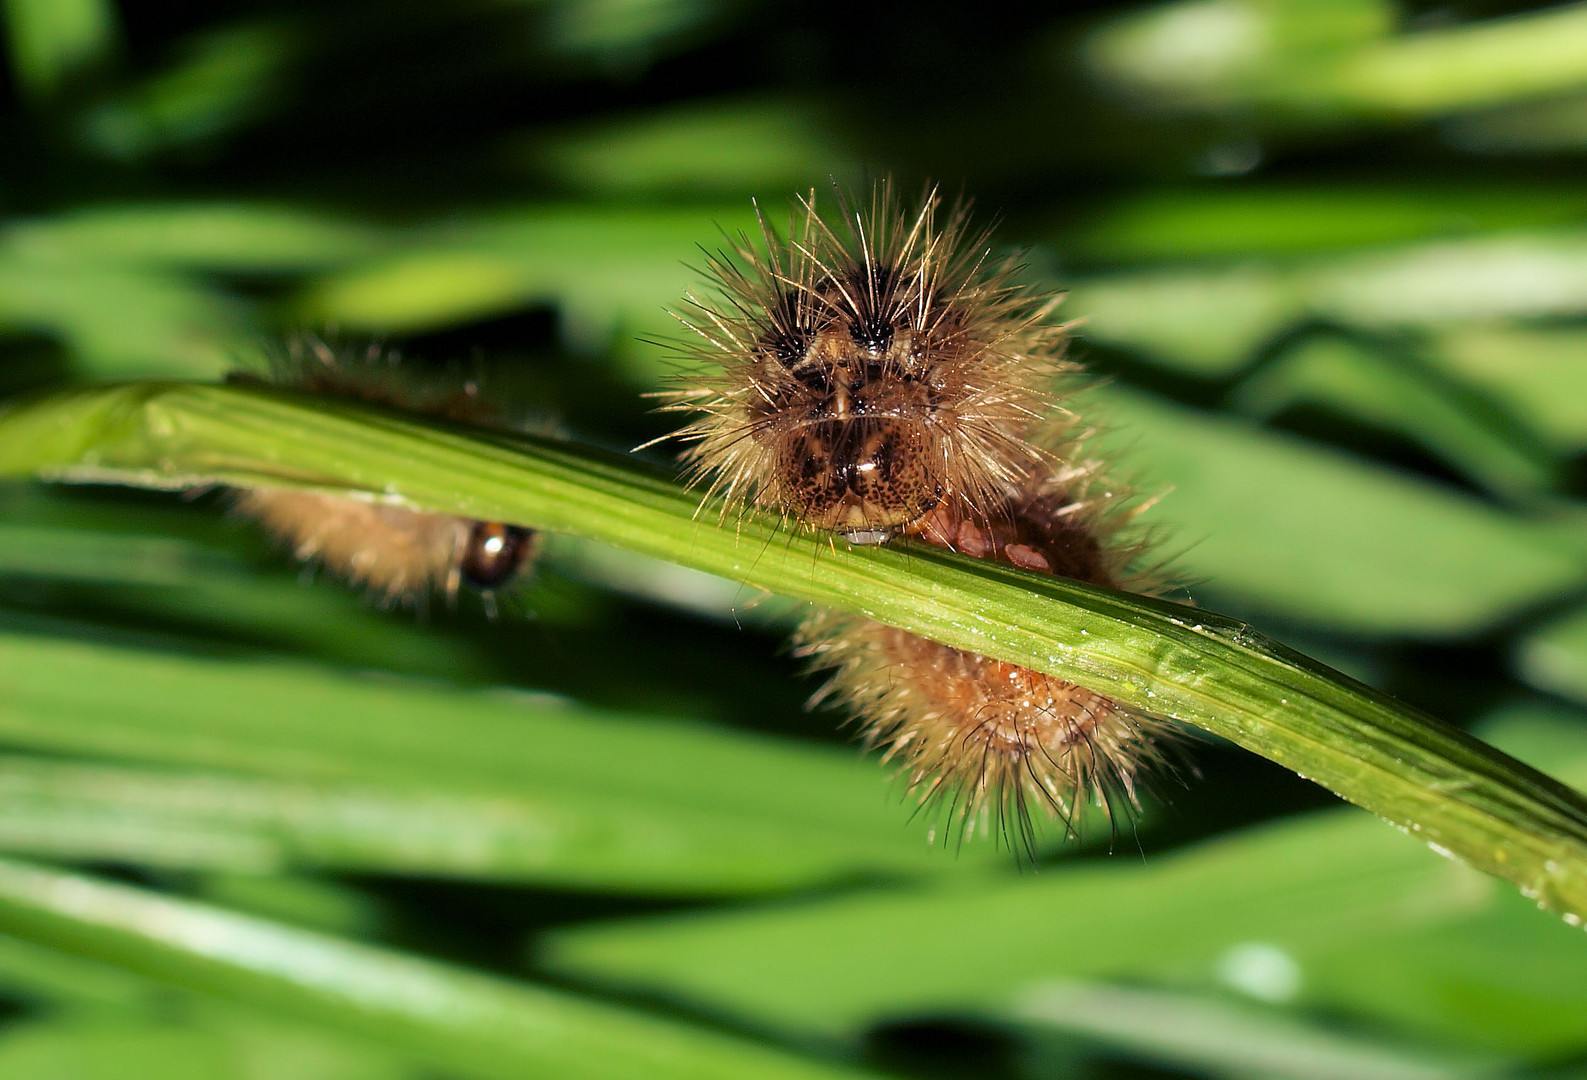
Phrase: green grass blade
pixel 1395 393
pixel 1221 1038
pixel 1553 656
pixel 1327 915
pixel 1212 319
pixel 1334 60
pixel 54 40
pixel 1328 540
pixel 1306 886
pixel 462 1022
pixel 1463 798
pixel 1534 370
pixel 258 765
pixel 122 321
pixel 215 601
pixel 234 237
pixel 1301 218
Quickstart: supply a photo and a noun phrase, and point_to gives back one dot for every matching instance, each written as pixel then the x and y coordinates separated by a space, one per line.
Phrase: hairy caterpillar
pixel 401 555
pixel 877 375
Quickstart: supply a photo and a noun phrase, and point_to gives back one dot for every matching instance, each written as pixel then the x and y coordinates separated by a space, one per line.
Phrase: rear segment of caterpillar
pixel 402 556
pixel 396 553
pixel 880 374
pixel 990 744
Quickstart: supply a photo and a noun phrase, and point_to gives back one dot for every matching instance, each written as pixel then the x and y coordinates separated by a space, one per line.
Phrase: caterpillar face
pixel 864 479
pixel 872 369
pixel 851 430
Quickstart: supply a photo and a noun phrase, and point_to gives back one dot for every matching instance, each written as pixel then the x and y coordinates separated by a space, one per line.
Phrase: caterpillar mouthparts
pixel 880 375
pixel 400 555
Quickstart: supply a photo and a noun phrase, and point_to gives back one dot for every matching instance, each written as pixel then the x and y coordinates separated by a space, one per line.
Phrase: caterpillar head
pixel 872 370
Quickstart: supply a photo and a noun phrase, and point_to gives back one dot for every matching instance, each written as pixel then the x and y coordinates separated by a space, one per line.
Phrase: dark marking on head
pixel 793 324
pixel 814 377
pixel 861 476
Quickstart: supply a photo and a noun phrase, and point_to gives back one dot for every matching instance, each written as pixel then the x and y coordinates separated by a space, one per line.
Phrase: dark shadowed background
pixel 1331 256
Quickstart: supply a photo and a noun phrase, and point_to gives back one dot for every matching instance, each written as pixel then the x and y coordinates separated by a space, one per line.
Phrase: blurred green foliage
pixel 1332 258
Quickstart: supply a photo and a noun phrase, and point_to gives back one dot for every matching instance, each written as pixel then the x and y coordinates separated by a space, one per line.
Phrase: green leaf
pixel 1392 392
pixel 1460 796
pixel 316 903
pixel 1326 912
pixel 223 79
pixel 1535 370
pixel 1329 914
pixel 1223 1038
pixel 54 40
pixel 1286 219
pixel 96 1010
pixel 1215 53
pixel 411 778
pixel 1333 58
pixel 120 322
pixel 1460 67
pixel 622 34
pixel 37 974
pixel 722 147
pixel 78 1050
pixel 1326 538
pixel 601 267
pixel 213 599
pixel 1553 656
pixel 234 237
pixel 1210 320
pixel 457 1020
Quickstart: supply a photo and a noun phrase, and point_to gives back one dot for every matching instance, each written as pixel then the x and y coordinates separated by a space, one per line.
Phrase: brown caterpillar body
pixel 881 377
pixel 990 739
pixel 399 554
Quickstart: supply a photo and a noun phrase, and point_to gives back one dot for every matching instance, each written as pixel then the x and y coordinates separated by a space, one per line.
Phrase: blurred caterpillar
pixel 879 376
pixel 400 555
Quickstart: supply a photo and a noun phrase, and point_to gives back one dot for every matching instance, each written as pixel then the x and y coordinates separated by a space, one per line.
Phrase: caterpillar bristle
pixel 879 374
pixel 870 370
pixel 402 556
pixel 381 376
pixel 990 745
